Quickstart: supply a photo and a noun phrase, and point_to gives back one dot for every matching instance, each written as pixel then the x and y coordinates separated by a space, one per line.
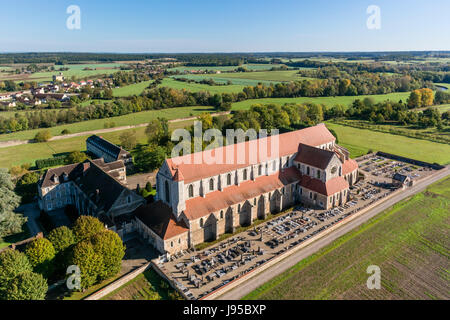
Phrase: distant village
pixel 58 90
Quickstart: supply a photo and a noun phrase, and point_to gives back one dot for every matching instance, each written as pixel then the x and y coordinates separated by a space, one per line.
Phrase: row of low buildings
pixel 195 203
pixel 58 90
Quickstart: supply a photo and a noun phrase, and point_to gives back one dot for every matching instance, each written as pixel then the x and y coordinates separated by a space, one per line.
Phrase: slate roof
pixel 102 188
pixel 313 156
pixel 107 147
pixel 400 177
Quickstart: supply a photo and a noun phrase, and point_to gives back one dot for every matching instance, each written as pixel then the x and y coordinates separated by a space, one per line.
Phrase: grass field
pixel 126 120
pixel 196 87
pixel 74 70
pixel 329 101
pixel 410 244
pixel 252 66
pixel 360 141
pixel 29 153
pixel 6 241
pixel 132 89
pixel 146 286
pixel 275 76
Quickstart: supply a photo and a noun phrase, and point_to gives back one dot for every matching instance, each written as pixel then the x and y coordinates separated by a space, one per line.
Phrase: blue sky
pixel 224 26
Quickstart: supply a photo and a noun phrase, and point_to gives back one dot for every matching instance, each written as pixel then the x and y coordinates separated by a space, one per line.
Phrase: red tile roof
pixel 331 187
pixel 348 166
pixel 158 217
pixel 218 200
pixel 287 144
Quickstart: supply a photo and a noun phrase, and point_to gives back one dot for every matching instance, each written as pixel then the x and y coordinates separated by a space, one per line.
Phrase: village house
pixel 94 187
pixel 199 202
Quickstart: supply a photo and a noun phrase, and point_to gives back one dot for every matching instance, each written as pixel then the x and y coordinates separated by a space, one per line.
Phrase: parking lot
pixel 198 273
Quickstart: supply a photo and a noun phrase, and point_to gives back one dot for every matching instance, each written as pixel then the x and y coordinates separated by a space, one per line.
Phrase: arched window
pixel 245 174
pixel 221 214
pixel 179 240
pixel 167 191
pixel 171 244
pixel 260 170
pixel 201 222
pixel 191 191
pixel 307 171
pixel 239 208
pixel 229 179
pixel 340 171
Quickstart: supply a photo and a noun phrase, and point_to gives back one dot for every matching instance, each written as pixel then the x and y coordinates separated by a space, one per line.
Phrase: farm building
pixel 110 152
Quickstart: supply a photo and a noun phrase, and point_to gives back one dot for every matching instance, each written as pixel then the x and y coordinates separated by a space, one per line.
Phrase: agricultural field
pixel 196 87
pixel 251 66
pixel 328 101
pixel 409 242
pixel 360 141
pixel 275 76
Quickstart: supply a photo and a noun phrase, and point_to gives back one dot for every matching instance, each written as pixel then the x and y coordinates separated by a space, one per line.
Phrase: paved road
pixel 258 280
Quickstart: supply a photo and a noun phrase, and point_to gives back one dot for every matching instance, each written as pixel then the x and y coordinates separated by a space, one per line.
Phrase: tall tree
pixel 10 222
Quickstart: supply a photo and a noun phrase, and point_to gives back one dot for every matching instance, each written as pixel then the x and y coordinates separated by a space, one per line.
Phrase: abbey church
pixel 199 202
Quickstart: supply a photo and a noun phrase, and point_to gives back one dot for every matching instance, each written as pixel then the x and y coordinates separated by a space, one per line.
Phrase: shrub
pixel 51 162
pixel 109 245
pixel 65 131
pixel 40 253
pixel 12 263
pixel 61 238
pixel 86 226
pixel 42 136
pixel 27 286
pixel 75 157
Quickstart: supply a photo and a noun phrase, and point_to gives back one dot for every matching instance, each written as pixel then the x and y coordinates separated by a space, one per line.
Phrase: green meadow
pixel 360 141
pixel 328 101
pixel 126 120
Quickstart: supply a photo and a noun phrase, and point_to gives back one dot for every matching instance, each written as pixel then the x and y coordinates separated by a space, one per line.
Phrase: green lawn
pixel 6 241
pixel 360 141
pixel 408 242
pixel 132 89
pixel 329 101
pixel 29 153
